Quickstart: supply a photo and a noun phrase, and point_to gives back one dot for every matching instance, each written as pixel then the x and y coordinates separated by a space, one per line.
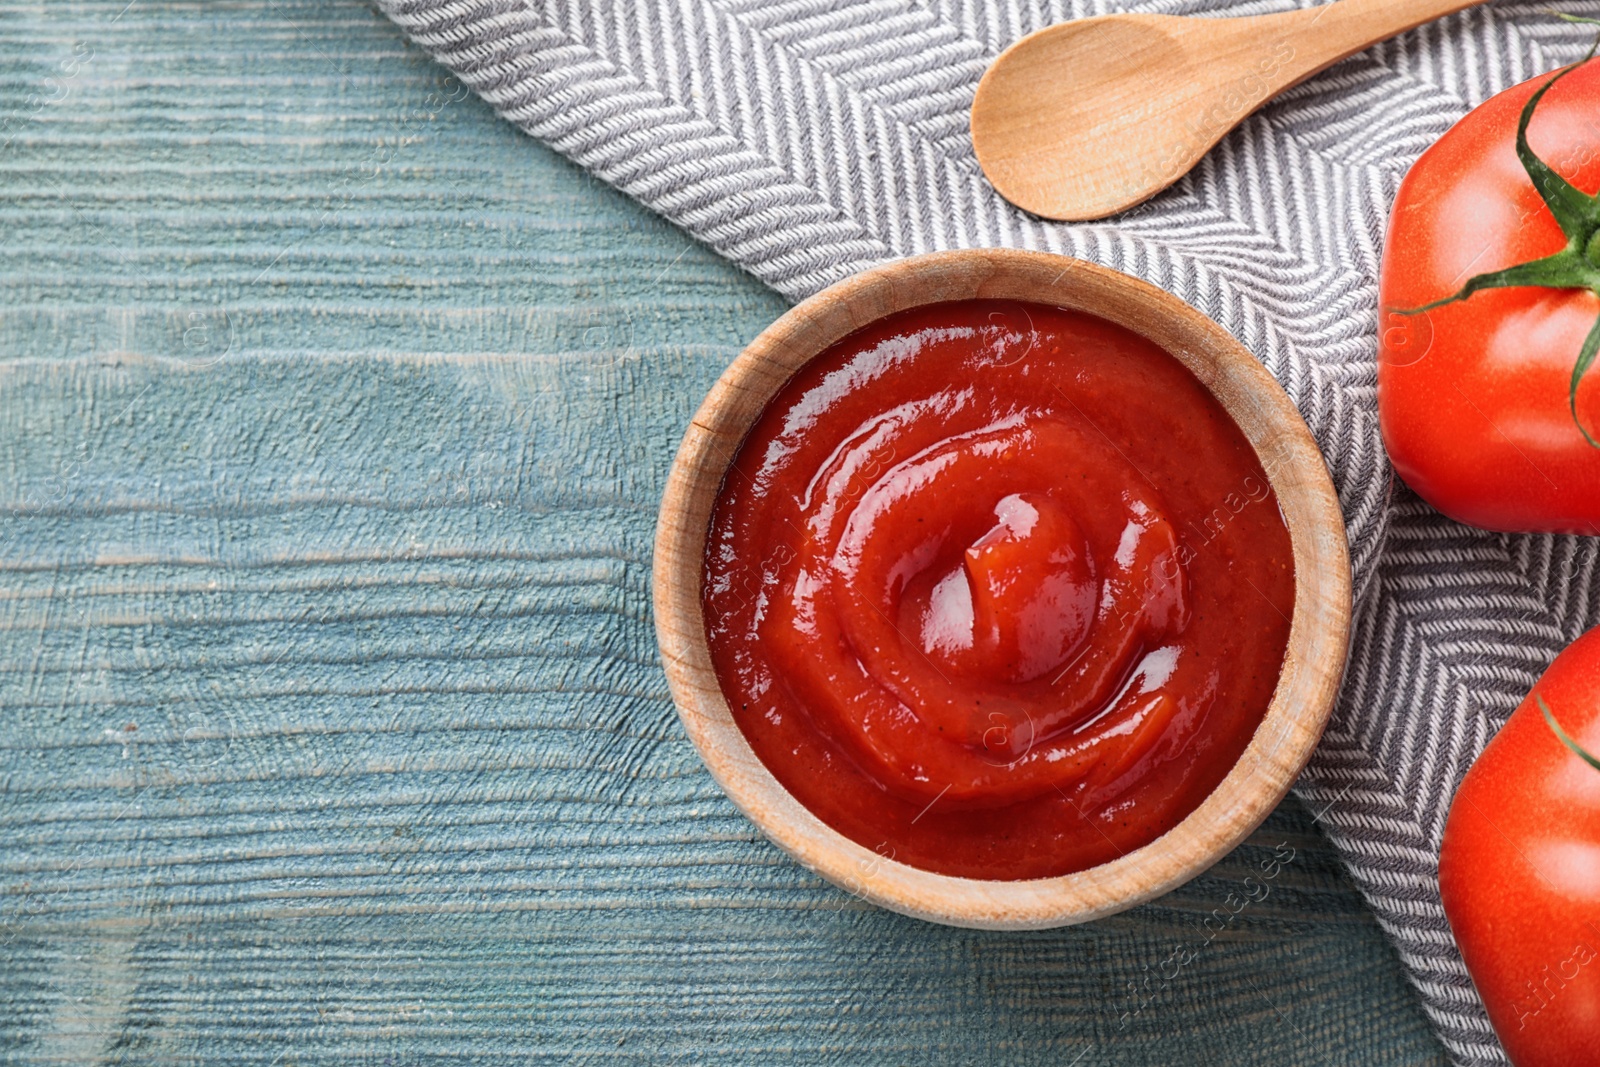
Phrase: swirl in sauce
pixel 997 589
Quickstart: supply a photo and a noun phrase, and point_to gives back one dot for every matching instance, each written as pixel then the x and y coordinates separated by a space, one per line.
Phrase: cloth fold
pixel 809 139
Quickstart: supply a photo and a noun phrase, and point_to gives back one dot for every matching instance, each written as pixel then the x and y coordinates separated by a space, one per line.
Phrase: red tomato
pixel 1520 870
pixel 1473 396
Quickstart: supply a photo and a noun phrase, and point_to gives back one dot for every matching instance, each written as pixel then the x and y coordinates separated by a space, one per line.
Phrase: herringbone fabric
pixel 808 139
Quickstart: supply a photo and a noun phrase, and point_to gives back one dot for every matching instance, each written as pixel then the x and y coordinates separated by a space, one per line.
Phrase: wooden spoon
pixel 1088 118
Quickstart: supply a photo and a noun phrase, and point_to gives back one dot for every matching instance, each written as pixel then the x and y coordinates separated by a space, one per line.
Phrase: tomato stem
pixel 1566 739
pixel 1576 266
pixel 1591 344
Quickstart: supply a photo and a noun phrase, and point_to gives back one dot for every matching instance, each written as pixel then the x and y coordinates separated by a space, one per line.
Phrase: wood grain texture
pixel 333 419
pixel 1313 661
pixel 1090 117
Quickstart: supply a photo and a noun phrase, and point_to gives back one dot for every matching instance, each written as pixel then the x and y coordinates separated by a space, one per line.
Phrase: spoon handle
pixel 1322 36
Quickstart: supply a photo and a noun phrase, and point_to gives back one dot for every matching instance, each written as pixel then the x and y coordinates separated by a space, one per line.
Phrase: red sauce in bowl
pixel 997 590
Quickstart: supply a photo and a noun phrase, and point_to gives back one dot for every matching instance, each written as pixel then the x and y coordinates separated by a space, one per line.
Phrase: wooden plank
pixel 333 418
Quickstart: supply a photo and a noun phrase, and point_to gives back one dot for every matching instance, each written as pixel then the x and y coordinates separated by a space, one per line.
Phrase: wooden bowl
pixel 1318 636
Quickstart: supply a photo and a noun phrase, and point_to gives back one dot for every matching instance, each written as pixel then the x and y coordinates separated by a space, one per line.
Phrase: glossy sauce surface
pixel 997 590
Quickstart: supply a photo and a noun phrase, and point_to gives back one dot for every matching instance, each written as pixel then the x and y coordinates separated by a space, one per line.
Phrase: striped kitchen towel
pixel 808 139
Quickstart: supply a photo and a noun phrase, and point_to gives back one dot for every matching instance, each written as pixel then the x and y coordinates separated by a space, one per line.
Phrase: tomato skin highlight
pixel 1473 396
pixel 1520 870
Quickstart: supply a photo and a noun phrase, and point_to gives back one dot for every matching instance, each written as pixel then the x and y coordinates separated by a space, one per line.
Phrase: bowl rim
pixel 1314 659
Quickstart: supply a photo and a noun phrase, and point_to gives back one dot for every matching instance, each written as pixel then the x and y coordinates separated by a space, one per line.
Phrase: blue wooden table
pixel 333 418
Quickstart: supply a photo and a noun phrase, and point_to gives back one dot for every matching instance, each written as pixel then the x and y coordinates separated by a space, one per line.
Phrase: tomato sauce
pixel 997 589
